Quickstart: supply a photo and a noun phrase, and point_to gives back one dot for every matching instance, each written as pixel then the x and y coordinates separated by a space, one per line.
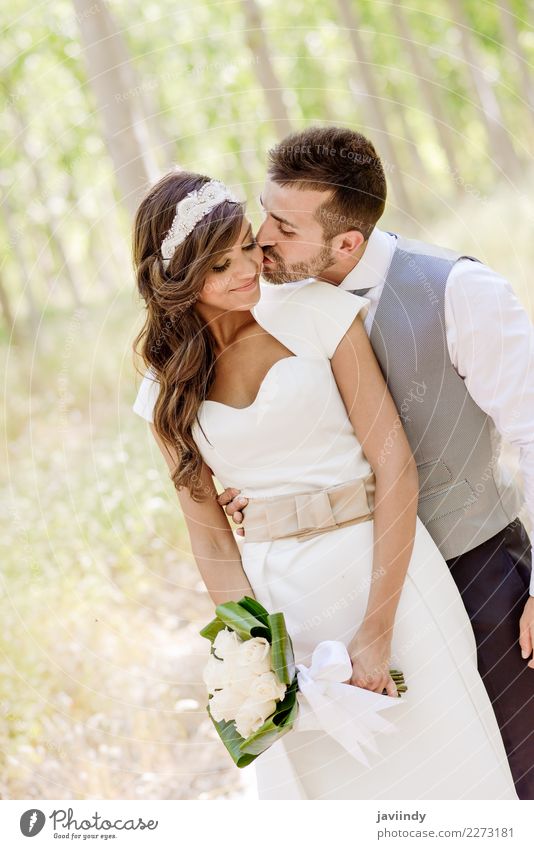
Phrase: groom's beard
pixel 279 272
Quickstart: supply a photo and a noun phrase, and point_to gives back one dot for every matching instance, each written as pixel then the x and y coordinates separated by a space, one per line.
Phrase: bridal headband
pixel 189 211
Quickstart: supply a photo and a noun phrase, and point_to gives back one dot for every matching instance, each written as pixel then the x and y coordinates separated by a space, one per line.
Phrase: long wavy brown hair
pixel 174 340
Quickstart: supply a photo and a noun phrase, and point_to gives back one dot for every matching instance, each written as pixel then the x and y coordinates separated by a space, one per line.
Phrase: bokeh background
pixel 101 603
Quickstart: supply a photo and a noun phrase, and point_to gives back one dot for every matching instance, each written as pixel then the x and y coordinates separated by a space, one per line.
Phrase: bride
pixel 282 398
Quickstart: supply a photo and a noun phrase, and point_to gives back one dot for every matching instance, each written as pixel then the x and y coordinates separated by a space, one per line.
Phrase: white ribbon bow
pixel 347 713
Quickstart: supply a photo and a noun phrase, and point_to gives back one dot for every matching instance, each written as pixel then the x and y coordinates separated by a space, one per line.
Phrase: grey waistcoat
pixel 463 500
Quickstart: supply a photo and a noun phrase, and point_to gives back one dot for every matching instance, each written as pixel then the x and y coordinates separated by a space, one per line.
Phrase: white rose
pixel 251 716
pixel 226 644
pixel 225 704
pixel 267 686
pixel 214 674
pixel 237 677
pixel 245 679
pixel 255 655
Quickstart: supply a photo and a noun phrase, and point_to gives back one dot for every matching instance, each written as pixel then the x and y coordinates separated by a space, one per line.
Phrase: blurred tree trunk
pixel 412 148
pixel 6 308
pixel 107 249
pixel 158 144
pixel 244 151
pixel 373 105
pixel 52 222
pixel 417 56
pixel 272 88
pixel 124 125
pixel 19 252
pixel 500 146
pixel 513 46
pixel 102 271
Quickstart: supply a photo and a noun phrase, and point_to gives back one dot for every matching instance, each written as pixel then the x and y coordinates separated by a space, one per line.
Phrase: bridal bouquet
pixel 257 693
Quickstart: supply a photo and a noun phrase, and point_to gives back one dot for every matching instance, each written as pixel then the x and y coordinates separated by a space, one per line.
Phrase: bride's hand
pixel 370 655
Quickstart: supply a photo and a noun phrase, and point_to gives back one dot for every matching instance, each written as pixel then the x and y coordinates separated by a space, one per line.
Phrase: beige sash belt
pixel 307 514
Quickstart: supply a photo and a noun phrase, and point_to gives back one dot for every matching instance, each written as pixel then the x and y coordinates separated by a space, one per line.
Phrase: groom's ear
pixel 349 242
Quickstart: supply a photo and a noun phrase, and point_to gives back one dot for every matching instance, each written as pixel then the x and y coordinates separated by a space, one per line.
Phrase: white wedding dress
pixel 296 436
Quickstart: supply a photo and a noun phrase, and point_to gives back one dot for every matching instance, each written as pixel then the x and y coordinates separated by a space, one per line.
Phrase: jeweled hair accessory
pixel 190 210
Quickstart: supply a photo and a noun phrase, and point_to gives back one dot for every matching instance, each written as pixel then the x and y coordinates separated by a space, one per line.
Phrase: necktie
pixel 358 291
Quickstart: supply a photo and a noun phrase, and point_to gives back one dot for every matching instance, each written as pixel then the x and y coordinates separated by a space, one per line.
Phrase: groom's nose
pixel 266 235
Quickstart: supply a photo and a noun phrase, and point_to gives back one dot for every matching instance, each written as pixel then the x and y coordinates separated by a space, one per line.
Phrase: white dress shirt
pixel 490 341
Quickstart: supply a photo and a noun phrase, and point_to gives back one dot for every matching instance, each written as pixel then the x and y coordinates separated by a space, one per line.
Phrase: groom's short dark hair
pixel 322 158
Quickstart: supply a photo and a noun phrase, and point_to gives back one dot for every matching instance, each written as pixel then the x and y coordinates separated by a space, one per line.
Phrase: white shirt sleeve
pixel 491 345
pixel 147 396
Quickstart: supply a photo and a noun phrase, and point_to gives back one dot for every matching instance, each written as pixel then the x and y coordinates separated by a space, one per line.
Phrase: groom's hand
pixel 526 632
pixel 234 505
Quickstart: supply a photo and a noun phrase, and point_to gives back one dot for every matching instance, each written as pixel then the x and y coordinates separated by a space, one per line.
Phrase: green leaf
pixel 287 716
pixel 240 620
pixel 211 630
pixel 255 608
pixel 283 661
pixel 269 733
pixel 232 741
pixel 286 704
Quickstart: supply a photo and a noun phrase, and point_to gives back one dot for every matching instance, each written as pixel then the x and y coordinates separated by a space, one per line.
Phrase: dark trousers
pixel 493 580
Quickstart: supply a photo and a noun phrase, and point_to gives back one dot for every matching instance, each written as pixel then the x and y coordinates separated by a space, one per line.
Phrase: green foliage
pixel 198 85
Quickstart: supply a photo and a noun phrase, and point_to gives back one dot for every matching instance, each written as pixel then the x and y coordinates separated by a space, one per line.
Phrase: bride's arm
pixel 212 542
pixel 377 425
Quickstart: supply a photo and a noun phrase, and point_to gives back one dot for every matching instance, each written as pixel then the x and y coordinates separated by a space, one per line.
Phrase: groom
pixel 457 351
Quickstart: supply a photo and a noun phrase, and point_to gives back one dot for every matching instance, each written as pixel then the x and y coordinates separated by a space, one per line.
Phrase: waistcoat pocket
pixel 433 473
pixel 460 496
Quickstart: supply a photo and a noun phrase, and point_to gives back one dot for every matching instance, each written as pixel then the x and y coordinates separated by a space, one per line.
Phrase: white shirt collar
pixel 372 268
